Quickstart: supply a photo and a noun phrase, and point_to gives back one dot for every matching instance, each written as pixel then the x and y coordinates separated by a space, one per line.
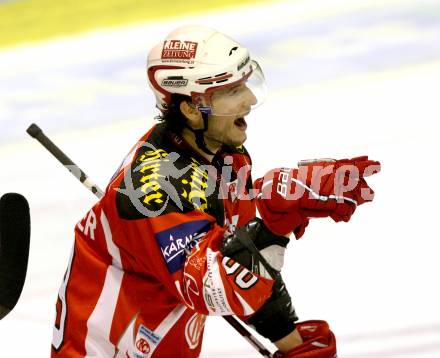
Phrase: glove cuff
pixel 266 238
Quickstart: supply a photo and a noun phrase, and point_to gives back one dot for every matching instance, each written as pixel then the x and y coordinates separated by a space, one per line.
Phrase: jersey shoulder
pixel 162 178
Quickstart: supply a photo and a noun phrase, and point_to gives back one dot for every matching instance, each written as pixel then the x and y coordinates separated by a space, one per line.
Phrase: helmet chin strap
pixel 199 133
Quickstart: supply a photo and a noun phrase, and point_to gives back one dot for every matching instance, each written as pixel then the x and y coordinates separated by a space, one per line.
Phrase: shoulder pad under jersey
pixel 162 179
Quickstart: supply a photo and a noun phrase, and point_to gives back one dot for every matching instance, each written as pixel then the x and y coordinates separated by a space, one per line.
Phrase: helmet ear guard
pixel 163 97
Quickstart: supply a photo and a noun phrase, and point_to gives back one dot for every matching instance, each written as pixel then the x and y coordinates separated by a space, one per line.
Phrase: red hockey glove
pixel 318 188
pixel 318 342
pixel 281 215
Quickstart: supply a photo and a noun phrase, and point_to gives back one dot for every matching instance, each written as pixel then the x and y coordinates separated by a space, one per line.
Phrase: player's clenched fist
pixel 287 197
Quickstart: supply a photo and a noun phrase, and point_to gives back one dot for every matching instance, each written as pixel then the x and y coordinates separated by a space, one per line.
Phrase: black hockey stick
pixel 38 134
pixel 15 232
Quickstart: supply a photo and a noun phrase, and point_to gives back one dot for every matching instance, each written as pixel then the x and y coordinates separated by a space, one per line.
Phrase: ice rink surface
pixel 345 78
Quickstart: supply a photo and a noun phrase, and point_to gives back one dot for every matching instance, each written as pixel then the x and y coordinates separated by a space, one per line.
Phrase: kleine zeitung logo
pixel 179 49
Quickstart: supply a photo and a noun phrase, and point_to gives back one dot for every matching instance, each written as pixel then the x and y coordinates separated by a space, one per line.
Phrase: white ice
pixel 345 78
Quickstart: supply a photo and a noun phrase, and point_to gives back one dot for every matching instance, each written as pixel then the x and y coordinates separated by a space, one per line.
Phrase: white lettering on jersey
pixel 58 330
pixel 214 292
pixel 243 277
pixel 90 225
pixel 177 246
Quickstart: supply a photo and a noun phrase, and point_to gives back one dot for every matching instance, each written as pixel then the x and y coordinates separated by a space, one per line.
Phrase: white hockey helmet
pixel 196 61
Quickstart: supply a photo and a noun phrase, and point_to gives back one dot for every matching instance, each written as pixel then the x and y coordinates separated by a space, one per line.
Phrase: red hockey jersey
pixel 145 268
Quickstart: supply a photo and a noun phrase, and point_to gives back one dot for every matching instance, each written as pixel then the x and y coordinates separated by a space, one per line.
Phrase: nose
pixel 251 100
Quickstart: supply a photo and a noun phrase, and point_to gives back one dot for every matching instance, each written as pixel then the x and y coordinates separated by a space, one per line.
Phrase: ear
pixel 192 114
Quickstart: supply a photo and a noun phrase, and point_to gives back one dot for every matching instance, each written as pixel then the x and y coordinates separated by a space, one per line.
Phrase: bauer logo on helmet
pixel 174 82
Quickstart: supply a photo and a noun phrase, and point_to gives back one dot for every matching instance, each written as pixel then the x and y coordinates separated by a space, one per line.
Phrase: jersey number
pixel 60 320
pixel 243 278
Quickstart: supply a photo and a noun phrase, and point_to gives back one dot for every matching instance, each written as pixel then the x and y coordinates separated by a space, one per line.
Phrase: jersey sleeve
pixel 214 284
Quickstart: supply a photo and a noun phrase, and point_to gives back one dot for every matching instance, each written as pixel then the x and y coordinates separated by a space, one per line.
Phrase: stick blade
pixel 15 229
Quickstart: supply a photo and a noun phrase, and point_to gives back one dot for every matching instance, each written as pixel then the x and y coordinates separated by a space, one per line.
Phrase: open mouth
pixel 240 123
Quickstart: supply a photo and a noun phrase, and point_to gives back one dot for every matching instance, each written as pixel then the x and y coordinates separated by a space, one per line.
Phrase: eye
pixel 234 90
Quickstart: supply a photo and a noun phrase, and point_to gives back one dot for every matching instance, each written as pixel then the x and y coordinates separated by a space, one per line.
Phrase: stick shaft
pixel 76 171
pixel 248 336
pixel 38 134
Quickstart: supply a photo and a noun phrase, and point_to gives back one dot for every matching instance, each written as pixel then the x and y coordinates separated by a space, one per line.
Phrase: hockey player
pixel 176 238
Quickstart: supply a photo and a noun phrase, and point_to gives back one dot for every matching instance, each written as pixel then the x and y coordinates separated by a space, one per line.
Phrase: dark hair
pixel 173 117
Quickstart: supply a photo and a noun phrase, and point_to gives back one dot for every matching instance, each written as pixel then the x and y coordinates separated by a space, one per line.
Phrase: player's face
pixel 234 104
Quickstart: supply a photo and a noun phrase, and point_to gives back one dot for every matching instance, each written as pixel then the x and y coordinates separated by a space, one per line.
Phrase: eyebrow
pixel 234 87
